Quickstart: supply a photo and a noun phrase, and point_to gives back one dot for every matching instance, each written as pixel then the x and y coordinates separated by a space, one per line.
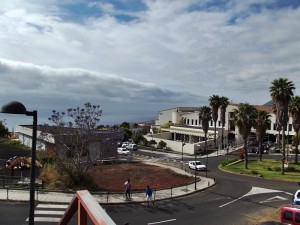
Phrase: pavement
pixel 43 196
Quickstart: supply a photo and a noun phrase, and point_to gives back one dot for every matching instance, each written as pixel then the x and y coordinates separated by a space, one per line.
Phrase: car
pixel 132 147
pixel 296 201
pixel 296 195
pixel 123 151
pixel 197 164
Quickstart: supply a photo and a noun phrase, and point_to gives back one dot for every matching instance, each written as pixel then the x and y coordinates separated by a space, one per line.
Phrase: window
pixel 297 217
pixel 188 121
pixel 196 121
pixel 192 122
pixel 288 215
pixel 211 123
pixel 219 123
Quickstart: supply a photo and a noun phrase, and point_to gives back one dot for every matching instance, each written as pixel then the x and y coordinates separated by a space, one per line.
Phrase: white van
pixel 132 147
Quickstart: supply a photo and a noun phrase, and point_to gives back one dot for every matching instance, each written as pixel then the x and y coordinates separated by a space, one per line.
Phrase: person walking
pixel 149 195
pixel 128 189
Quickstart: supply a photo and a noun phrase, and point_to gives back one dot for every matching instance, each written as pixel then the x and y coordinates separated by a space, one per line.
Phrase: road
pixel 235 199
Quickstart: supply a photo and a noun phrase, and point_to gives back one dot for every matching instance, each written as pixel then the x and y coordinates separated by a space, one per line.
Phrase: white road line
pixel 164 221
pixel 46 212
pixel 254 190
pixel 51 206
pixel 45 219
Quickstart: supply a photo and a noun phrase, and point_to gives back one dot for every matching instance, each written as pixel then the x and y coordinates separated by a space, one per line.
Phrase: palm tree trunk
pixel 283 149
pixel 205 146
pixel 296 150
pixel 215 135
pixel 245 154
pixel 260 150
pixel 222 139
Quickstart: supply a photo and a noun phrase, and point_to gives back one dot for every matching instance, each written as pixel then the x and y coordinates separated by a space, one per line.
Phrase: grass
pixel 267 168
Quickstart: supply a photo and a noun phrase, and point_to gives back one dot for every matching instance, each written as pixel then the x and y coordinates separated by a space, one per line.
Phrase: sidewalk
pixel 42 196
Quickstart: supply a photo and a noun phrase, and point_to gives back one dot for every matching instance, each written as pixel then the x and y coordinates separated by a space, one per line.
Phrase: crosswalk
pixel 48 213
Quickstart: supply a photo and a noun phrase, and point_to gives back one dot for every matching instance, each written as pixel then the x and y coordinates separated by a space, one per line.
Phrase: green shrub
pixel 254 172
pixel 277 169
pixel 291 169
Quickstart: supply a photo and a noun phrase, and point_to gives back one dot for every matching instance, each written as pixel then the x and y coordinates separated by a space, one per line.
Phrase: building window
pixel 219 123
pixel 188 121
pixel 192 122
pixel 211 123
pixel 196 121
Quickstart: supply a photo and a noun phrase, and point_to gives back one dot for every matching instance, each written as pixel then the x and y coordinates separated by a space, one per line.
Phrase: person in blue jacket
pixel 149 195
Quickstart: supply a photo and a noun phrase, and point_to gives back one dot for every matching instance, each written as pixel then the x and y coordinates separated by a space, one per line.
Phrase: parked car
pixel 290 214
pixel 132 147
pixel 198 165
pixel 296 195
pixel 123 151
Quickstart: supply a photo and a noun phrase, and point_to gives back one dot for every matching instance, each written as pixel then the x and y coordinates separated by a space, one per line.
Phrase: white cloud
pixel 172 52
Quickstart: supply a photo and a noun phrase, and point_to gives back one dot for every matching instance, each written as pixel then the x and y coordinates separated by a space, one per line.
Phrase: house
pixel 186 135
pixel 102 143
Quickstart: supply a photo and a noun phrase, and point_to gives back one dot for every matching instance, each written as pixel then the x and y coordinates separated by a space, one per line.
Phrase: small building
pixel 102 143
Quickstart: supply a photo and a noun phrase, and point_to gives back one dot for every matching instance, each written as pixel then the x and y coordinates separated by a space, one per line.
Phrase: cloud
pixel 168 53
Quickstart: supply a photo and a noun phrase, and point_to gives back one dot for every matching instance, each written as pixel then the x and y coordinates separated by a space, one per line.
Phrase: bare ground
pixel 112 176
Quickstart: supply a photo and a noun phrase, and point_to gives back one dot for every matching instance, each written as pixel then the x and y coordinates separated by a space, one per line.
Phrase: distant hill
pixel 269 103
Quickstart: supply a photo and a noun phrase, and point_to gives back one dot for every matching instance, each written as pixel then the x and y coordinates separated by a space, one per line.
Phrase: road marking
pixel 45 219
pixel 47 212
pixel 52 206
pixel 254 191
pixel 274 199
pixel 164 221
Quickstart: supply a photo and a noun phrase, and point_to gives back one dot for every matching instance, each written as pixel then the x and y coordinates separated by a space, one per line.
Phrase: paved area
pixel 116 198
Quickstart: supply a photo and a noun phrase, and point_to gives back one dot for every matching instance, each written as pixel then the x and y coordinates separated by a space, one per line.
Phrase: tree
pixel 205 116
pixel 3 129
pixel 281 91
pixel 137 137
pixel 244 119
pixel 262 123
pixel 294 109
pixel 215 103
pixel 162 144
pixel 224 102
pixel 72 141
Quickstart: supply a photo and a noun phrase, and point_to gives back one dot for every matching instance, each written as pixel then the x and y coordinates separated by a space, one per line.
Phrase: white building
pixel 187 129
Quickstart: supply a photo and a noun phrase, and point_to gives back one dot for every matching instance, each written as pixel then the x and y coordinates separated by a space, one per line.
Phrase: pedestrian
pixel 149 195
pixel 128 189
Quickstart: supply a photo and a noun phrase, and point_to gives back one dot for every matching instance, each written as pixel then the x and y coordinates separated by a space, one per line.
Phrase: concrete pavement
pixel 115 198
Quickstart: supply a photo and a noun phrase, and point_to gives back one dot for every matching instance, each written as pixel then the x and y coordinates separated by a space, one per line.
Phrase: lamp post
pixel 15 107
pixel 195 169
pixel 182 144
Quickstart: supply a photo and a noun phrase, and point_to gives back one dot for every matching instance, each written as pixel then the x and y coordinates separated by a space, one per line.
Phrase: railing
pixel 86 205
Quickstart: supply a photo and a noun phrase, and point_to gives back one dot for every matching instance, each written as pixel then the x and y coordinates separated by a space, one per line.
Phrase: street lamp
pixel 182 144
pixel 15 107
pixel 195 168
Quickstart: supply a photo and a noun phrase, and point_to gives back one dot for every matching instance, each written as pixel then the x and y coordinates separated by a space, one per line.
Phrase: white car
pixel 132 147
pixel 123 151
pixel 198 165
pixel 297 195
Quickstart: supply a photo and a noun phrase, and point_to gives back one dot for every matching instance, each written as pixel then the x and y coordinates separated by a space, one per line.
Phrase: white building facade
pixel 187 129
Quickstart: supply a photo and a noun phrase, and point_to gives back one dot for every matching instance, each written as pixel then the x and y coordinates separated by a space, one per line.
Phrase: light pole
pixel 15 107
pixel 195 169
pixel 182 144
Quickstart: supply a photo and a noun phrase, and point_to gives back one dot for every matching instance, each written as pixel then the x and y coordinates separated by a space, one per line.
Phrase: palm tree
pixel 261 125
pixel 278 126
pixel 281 92
pixel 205 117
pixel 244 119
pixel 215 103
pixel 224 102
pixel 294 109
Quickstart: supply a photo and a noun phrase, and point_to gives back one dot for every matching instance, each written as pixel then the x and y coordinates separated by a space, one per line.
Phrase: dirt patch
pixel 112 176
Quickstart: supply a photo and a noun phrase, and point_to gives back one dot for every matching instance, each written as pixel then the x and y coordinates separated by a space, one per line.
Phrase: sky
pixel 135 58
